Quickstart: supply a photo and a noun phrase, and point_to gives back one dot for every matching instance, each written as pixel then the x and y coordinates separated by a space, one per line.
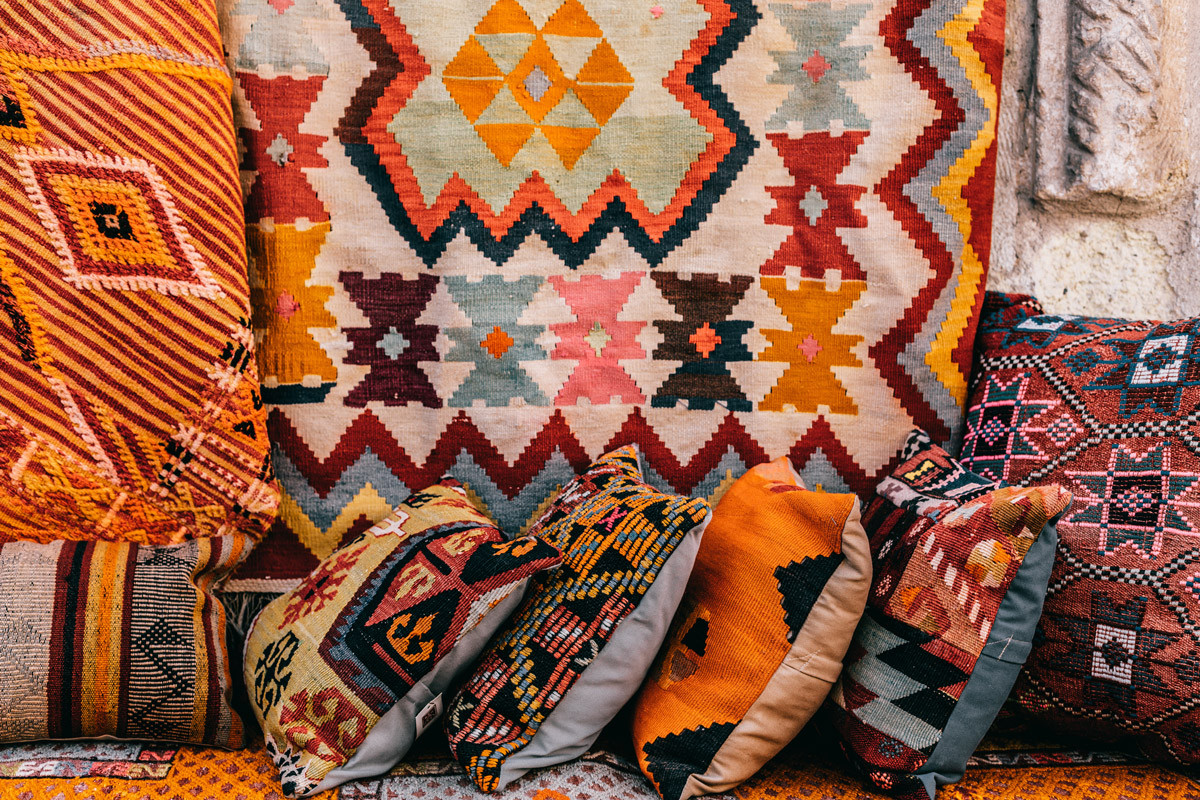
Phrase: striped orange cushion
pixel 130 405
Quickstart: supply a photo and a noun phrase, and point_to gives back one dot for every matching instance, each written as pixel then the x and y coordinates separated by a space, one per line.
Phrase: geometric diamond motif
pixel 17 121
pixel 1152 372
pixel 992 430
pixel 571 177
pixel 1111 650
pixel 393 343
pixel 997 437
pixel 113 223
pixel 1135 501
pixel 597 338
pixel 820 31
pixel 705 341
pixel 507 103
pixel 813 205
pixel 1062 430
pixel 597 341
pixel 495 342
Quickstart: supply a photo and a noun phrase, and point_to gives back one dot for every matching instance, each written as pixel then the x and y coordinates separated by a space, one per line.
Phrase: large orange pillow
pixel 129 407
pixel 779 584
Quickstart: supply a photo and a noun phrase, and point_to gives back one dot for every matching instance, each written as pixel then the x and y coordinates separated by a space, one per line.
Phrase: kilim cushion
pixel 348 669
pixel 116 639
pixel 499 238
pixel 961 565
pixel 1111 410
pixel 130 404
pixel 580 646
pixel 779 585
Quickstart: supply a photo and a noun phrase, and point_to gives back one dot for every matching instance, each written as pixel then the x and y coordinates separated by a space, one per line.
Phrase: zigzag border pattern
pixel 356 466
pixel 734 19
pixel 889 352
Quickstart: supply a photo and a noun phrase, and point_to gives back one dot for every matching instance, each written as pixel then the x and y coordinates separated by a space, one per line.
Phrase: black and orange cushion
pixel 780 582
pixel 580 646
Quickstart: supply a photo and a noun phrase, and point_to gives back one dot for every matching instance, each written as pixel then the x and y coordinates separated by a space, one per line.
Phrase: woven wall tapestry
pixel 499 238
pixel 130 405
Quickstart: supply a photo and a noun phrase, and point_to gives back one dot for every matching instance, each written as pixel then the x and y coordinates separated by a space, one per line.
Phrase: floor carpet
pixel 1005 767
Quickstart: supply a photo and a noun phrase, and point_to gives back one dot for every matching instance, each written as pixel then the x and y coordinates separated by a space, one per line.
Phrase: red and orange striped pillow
pixel 116 639
pixel 130 408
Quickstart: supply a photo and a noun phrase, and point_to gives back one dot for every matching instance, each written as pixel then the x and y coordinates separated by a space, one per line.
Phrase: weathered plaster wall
pixel 1098 185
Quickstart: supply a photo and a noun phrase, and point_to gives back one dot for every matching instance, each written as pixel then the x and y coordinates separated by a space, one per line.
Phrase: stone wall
pixel 1098 187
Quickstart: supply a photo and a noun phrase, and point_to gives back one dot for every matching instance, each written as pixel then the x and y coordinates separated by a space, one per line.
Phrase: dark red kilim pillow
pixel 1110 409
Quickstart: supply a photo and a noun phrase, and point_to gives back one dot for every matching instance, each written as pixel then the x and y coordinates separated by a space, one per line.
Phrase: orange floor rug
pixel 125 771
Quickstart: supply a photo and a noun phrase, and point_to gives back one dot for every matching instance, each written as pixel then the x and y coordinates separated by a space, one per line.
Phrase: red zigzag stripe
pixel 821 436
pixel 367 431
pixel 894 29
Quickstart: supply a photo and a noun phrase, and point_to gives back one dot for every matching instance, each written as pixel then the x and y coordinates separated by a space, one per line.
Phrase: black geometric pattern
pixel 152 655
pixel 673 758
pixel 11 115
pixel 272 671
pixel 800 584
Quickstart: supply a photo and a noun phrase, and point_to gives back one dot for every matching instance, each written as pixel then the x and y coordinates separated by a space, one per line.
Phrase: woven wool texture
pixel 116 639
pixel 498 239
pixel 130 405
pixel 947 545
pixel 325 661
pixel 1109 409
pixel 148 772
pixel 616 534
pixel 765 560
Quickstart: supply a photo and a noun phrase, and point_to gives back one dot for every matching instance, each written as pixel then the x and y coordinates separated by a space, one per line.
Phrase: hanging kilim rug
pixel 499 238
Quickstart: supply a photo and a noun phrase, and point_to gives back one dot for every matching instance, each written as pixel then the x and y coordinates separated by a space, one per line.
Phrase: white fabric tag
pixel 429 714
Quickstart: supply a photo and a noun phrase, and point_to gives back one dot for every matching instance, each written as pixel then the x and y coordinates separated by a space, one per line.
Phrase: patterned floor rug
pixel 1004 768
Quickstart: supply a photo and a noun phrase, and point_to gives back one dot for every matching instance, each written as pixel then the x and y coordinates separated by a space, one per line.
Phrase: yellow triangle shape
pixel 602 101
pixel 472 61
pixel 569 143
pixel 572 19
pixel 604 67
pixel 473 96
pixel 506 16
pixel 505 141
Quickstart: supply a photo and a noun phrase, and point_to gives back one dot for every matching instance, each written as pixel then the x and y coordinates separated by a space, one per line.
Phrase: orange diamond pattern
pixel 538 57
pixel 536 96
pixel 497 342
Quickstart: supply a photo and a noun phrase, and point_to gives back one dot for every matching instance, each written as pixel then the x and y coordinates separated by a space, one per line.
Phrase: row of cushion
pixel 558 671
pixel 126 259
pixel 350 667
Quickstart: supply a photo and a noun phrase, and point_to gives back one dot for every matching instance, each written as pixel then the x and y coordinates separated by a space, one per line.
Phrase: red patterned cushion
pixel 1111 410
pixel 961 566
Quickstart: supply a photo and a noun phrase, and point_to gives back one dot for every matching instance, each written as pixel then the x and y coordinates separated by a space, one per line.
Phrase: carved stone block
pixel 1109 105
